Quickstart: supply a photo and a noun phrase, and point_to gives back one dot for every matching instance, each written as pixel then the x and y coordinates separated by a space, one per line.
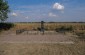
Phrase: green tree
pixel 4 10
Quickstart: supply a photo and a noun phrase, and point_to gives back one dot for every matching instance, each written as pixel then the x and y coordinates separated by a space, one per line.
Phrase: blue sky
pixel 46 10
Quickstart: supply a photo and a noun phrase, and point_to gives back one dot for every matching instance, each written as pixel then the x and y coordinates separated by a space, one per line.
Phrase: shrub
pixel 6 26
pixel 64 29
pixel 80 34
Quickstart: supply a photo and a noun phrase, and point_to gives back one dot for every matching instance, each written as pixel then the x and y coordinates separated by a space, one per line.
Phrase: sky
pixel 46 10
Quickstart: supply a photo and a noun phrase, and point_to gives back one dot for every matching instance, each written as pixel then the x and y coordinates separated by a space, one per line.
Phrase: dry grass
pixel 50 26
pixel 42 49
pixel 74 28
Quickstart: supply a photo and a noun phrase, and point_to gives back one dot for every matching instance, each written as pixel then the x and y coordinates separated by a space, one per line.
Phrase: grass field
pixel 74 28
pixel 50 26
pixel 42 49
pixel 78 48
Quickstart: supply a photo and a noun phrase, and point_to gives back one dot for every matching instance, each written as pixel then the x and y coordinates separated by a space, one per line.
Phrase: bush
pixel 80 34
pixel 64 29
pixel 6 26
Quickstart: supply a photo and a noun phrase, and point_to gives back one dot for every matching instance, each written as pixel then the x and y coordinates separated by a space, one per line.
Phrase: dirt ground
pixel 41 49
pixel 11 37
pixel 37 44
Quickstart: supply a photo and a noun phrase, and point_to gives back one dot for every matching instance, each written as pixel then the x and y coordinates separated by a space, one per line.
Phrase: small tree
pixel 4 10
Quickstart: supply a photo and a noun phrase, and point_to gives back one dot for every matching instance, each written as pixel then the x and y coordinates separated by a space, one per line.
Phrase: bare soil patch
pixel 10 36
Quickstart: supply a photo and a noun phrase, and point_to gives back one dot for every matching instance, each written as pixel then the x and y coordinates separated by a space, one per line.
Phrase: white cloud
pixel 14 14
pixel 52 15
pixel 58 6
